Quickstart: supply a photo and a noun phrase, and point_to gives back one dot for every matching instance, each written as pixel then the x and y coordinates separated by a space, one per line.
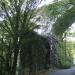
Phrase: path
pixel 70 71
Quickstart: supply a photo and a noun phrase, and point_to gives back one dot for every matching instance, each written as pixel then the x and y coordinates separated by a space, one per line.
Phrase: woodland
pixel 25 51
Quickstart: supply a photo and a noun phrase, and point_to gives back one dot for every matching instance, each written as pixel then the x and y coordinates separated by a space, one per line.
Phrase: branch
pixel 7 27
pixel 12 25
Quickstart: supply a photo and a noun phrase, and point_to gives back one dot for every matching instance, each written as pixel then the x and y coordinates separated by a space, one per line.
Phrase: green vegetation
pixel 65 55
pixel 22 50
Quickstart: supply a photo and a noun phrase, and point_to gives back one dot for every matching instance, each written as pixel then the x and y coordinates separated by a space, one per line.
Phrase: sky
pixel 72 30
pixel 45 2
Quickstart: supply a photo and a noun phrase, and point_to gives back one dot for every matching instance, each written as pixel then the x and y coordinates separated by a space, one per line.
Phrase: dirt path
pixel 70 71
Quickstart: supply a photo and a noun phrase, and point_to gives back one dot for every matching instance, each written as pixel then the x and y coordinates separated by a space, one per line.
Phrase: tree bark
pixel 16 51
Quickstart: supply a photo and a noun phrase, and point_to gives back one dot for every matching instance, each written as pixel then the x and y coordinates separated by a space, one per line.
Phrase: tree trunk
pixel 21 68
pixel 32 65
pixel 14 62
pixel 15 58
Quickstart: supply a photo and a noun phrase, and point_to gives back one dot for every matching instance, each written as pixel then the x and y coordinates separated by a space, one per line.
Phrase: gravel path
pixel 70 71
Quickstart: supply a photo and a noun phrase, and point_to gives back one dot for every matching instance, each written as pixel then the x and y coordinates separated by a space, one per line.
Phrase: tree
pixel 62 13
pixel 16 23
pixel 58 12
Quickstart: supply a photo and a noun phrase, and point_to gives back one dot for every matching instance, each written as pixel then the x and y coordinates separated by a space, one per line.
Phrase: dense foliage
pixel 22 50
pixel 62 13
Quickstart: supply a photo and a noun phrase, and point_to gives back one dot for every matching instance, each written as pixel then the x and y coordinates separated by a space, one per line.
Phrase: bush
pixel 65 65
